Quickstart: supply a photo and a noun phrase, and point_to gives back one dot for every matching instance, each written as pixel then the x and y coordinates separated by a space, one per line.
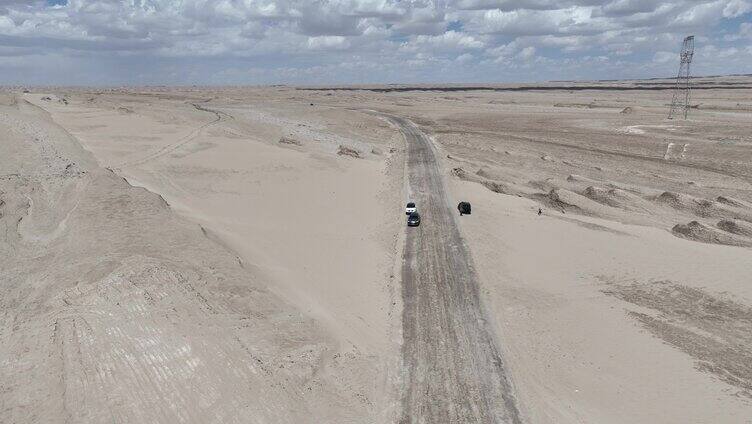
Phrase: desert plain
pixel 240 254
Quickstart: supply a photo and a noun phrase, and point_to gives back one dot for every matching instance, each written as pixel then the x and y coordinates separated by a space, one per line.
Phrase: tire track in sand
pixel 181 142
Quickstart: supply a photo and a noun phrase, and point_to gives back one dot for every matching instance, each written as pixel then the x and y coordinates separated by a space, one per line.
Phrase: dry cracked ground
pixel 241 255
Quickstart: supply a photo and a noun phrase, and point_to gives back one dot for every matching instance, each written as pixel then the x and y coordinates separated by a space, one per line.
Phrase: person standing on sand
pixel 540 211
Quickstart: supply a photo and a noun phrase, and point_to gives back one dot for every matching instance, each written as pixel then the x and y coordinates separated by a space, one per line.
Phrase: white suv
pixel 410 208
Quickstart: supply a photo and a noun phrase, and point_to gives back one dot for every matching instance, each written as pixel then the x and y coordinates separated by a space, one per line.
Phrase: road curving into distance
pixel 455 372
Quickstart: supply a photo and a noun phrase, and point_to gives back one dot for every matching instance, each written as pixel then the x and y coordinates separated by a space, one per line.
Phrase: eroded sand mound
pixel 603 195
pixel 618 198
pixel 461 174
pixel 480 177
pixel 735 227
pixel 730 201
pixel 560 199
pixel 595 201
pixel 699 232
pixel 705 208
pixel 675 200
pixel 569 201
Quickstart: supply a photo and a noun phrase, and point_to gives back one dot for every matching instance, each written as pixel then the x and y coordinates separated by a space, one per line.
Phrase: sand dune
pixel 128 312
pixel 171 319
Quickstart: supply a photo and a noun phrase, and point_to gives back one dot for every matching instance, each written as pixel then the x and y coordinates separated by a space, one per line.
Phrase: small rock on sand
pixel 286 140
pixel 348 151
pixel 460 173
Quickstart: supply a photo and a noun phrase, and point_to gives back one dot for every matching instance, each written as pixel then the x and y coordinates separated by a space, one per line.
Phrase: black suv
pixel 413 220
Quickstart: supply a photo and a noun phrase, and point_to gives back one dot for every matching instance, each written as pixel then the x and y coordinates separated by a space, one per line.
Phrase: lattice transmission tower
pixel 680 101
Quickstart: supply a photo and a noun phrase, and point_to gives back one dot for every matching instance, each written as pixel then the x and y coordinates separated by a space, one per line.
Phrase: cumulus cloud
pixel 527 53
pixel 628 7
pixel 328 42
pixel 450 40
pixel 195 41
pixel 736 8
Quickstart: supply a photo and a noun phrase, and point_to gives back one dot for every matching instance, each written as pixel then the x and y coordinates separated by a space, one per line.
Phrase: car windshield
pixel 411 205
pixel 414 216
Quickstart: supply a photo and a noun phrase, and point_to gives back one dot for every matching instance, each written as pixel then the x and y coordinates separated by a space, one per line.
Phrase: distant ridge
pixel 656 87
pixel 709 82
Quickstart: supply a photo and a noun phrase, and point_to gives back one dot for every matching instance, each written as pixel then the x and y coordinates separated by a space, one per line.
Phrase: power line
pixel 680 101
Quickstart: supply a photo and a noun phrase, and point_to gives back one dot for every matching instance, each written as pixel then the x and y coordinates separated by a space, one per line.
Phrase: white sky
pixel 106 42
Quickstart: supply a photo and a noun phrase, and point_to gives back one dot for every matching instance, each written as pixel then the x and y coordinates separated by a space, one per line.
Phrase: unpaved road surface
pixel 455 371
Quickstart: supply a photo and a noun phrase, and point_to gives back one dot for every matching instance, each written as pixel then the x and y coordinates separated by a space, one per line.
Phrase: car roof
pixel 410 204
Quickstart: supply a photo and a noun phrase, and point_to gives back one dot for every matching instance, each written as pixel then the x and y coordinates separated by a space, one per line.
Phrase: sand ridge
pixel 122 310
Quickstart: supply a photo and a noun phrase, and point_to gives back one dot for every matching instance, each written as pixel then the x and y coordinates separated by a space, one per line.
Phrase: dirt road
pixel 455 370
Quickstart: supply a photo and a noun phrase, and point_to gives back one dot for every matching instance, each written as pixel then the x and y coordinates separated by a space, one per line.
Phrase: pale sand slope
pixel 313 223
pixel 574 355
pixel 114 309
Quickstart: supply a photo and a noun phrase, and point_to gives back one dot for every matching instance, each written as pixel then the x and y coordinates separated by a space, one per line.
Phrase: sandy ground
pixel 199 270
pixel 627 300
pixel 273 189
pixel 606 312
